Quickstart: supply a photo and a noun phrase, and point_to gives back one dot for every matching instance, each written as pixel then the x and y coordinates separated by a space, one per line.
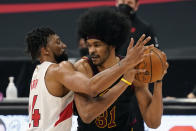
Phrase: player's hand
pixel 130 74
pixel 135 54
pixel 165 65
pixel 139 85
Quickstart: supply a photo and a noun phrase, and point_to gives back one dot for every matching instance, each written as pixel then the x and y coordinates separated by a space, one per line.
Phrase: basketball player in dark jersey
pixel 100 28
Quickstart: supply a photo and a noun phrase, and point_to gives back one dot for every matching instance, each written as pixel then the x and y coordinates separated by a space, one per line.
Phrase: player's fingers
pixel 147 55
pixel 167 65
pixel 165 72
pixel 164 55
pixel 140 70
pixel 140 60
pixel 147 48
pixel 131 43
pixel 144 50
pixel 146 40
pixel 140 40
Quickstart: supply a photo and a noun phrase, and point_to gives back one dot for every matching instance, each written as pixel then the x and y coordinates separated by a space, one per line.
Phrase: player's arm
pixel 151 106
pixel 77 82
pixel 89 108
pixel 80 83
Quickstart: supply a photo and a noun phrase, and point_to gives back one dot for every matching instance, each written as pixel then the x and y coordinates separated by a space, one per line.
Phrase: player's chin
pixel 96 62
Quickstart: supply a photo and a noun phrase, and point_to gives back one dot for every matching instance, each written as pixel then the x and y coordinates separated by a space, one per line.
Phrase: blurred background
pixel 174 22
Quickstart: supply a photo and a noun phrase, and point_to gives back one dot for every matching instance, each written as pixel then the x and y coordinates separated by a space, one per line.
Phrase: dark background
pixel 174 23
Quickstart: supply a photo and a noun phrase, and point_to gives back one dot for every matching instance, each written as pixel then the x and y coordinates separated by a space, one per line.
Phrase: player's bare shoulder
pixel 83 66
pixel 56 69
pixel 67 66
pixel 82 63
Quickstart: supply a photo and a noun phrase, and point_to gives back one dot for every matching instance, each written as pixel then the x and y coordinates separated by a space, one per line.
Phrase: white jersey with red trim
pixel 48 112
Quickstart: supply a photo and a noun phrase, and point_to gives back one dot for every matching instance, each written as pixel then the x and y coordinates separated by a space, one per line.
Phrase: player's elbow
pixel 93 93
pixel 153 124
pixel 153 119
pixel 86 114
pixel 86 118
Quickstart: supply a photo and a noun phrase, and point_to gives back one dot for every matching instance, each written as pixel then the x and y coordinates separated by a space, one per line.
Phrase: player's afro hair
pixel 105 24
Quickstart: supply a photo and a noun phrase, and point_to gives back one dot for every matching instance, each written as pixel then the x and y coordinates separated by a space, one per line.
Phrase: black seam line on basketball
pixel 150 67
pixel 160 60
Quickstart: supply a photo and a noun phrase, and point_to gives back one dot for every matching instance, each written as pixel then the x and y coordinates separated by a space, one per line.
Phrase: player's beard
pixel 62 57
pixel 101 59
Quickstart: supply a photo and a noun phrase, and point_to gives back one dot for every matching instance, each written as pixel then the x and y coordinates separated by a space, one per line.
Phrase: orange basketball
pixel 154 65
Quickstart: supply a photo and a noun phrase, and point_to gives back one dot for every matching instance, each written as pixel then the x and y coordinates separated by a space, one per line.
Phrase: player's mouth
pixel 94 58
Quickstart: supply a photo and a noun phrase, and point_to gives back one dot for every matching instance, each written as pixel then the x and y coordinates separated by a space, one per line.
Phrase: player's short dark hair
pixel 105 24
pixel 36 39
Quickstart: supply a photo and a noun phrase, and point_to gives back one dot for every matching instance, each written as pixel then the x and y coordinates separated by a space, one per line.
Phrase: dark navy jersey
pixel 118 117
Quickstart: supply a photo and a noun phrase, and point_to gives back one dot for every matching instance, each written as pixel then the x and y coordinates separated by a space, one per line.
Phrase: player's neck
pixel 46 58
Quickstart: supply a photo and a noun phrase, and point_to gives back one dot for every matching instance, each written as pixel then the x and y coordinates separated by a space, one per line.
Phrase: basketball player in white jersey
pixel 55 80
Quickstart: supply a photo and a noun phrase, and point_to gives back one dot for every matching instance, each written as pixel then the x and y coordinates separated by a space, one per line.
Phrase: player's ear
pixel 44 51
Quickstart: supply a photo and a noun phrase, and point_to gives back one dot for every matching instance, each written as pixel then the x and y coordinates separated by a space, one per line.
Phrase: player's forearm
pixel 155 109
pixel 89 109
pixel 106 78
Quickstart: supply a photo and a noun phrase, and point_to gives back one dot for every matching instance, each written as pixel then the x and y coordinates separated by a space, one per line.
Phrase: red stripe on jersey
pixel 34 100
pixel 66 113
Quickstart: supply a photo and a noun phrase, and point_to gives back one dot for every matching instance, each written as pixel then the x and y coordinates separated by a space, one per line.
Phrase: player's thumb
pixel 139 71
